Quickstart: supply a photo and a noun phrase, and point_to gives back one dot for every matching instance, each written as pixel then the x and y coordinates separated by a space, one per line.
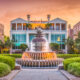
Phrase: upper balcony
pixel 25 27
pixel 54 25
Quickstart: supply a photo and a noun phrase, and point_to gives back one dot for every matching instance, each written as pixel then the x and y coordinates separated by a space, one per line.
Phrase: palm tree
pixel 8 44
pixel 29 26
pixel 48 25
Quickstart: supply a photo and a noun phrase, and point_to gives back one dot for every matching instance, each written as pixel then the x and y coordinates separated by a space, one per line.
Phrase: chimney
pixel 28 18
pixel 48 17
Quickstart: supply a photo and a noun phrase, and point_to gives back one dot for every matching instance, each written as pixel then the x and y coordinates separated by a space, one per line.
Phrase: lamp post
pixel 48 17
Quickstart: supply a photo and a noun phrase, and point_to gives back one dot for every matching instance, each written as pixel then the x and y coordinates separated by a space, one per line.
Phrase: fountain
pixel 39 54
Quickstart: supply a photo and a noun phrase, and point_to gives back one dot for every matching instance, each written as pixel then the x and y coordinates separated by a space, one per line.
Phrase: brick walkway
pixel 39 74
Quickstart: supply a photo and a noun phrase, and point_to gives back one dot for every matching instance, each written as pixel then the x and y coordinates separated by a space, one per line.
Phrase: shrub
pixel 23 47
pixel 70 60
pixel 54 46
pixel 4 69
pixel 74 68
pixel 8 60
pixel 65 56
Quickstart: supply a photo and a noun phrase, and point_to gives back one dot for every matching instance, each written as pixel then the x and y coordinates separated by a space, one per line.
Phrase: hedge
pixel 12 55
pixel 65 56
pixel 8 60
pixel 4 69
pixel 74 68
pixel 66 62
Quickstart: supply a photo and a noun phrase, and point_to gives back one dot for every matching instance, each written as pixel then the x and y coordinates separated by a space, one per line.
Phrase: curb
pixel 11 75
pixel 69 76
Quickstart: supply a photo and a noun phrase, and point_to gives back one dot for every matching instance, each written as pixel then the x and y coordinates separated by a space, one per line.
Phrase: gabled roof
pixel 19 20
pixel 57 20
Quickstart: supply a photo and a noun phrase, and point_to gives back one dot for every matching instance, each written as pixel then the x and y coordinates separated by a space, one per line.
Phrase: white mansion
pixel 20 33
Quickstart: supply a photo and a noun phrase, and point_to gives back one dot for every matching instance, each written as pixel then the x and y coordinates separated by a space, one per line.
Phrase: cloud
pixel 65 9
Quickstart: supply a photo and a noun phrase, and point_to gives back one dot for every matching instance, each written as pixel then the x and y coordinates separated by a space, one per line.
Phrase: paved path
pixel 40 74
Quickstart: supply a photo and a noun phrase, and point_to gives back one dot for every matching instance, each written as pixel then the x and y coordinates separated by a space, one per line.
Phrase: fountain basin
pixel 39 55
pixel 39 63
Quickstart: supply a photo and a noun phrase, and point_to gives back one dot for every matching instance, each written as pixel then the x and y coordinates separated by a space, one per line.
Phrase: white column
pixel 54 26
pixel 11 31
pixel 49 38
pixel 60 27
pixel 27 39
pixel 22 26
pixel 66 45
pixel 16 26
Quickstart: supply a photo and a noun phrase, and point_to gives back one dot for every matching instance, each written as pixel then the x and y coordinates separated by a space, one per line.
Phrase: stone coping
pixel 10 76
pixel 69 76
pixel 39 60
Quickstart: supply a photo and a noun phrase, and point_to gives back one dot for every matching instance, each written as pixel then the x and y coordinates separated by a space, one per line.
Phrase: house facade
pixel 21 34
pixel 76 30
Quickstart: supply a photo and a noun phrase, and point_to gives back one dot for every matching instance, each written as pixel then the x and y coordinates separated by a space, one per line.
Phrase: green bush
pixel 74 68
pixel 8 60
pixel 4 69
pixel 13 55
pixel 65 56
pixel 66 62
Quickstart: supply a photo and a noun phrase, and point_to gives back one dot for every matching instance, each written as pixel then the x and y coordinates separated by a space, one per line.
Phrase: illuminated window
pixel 24 26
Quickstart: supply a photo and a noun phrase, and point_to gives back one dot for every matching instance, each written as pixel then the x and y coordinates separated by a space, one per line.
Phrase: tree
pixel 29 26
pixel 54 46
pixel 77 43
pixel 6 44
pixel 1 46
pixel 70 45
pixel 48 25
pixel 23 47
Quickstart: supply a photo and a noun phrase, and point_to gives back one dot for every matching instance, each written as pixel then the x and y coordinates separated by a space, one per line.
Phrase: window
pixel 57 26
pixel 19 26
pixel 18 39
pixel 14 26
pixel 24 26
pixel 58 38
pixel 63 26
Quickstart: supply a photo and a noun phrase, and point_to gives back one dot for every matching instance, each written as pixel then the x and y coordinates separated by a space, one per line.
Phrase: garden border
pixel 69 76
pixel 11 75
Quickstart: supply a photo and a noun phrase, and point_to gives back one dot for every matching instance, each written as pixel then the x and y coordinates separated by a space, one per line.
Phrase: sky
pixel 68 10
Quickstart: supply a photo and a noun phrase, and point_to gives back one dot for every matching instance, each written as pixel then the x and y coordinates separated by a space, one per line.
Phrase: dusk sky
pixel 68 10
